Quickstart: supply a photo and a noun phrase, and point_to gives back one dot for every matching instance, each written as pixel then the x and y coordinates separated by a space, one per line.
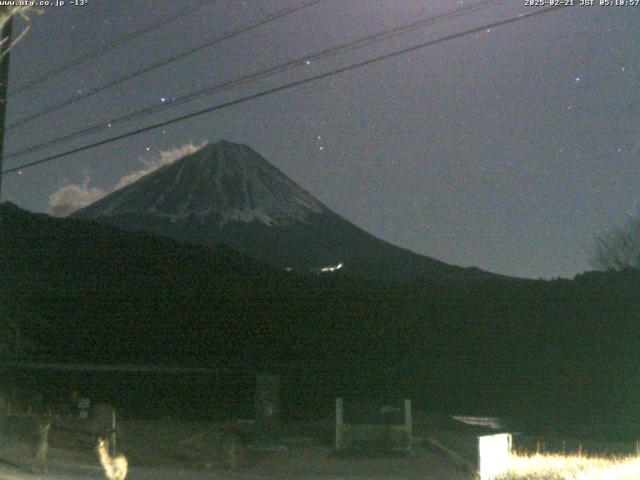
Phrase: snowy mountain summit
pixel 226 193
pixel 221 182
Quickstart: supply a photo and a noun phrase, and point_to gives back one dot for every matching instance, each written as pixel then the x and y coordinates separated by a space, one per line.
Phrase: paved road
pixel 312 464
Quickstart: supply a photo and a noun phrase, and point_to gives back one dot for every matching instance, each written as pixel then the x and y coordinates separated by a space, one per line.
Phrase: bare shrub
pixel 618 249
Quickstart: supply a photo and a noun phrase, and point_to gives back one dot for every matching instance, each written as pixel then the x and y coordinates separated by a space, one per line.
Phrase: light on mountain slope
pixel 331 268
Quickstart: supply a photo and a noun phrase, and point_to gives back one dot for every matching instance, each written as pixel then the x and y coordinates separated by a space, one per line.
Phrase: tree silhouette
pixel 618 249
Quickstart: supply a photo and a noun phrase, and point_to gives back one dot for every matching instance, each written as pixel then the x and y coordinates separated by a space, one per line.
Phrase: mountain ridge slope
pixel 226 193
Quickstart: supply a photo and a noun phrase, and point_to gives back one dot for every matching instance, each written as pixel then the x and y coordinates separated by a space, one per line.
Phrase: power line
pixel 161 63
pixel 100 51
pixel 298 62
pixel 287 86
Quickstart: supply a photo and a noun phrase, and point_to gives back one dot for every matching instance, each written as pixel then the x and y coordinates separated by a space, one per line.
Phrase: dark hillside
pixel 561 351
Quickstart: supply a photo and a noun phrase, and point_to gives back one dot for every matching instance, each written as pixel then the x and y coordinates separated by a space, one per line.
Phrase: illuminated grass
pixel 561 467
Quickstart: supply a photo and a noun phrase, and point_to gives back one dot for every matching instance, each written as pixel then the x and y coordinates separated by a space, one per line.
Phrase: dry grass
pixel 572 467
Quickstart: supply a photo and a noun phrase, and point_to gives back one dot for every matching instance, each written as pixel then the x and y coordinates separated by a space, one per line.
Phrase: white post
pixel 112 443
pixel 407 417
pixel 339 423
pixel 408 422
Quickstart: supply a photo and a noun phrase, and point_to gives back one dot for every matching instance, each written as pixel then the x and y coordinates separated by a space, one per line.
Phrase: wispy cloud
pixel 149 165
pixel 71 197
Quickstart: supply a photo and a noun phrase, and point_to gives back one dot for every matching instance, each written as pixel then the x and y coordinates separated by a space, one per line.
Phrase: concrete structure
pixel 493 455
pixel 383 426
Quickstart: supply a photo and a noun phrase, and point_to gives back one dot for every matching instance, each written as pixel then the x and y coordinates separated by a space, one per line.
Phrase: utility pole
pixel 7 31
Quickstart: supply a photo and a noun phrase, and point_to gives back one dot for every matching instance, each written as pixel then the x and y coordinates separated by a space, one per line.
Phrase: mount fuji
pixel 226 193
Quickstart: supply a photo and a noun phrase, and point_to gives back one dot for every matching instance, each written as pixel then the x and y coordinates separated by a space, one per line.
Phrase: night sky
pixel 508 149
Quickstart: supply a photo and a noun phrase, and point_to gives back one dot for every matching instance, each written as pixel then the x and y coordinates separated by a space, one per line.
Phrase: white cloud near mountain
pixel 74 196
pixel 166 157
pixel 71 197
